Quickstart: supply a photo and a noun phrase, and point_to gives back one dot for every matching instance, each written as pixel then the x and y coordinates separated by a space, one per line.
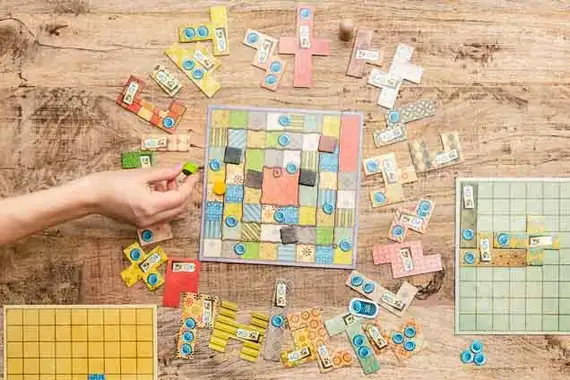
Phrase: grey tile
pixel 347 181
pixel 306 235
pixel 273 158
pixel 257 121
pixel 288 235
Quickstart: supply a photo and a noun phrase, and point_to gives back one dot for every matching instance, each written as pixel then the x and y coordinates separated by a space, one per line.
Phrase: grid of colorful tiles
pixel 277 216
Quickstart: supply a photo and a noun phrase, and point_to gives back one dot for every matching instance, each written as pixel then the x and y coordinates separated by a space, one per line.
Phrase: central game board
pixel 281 187
pixel 512 256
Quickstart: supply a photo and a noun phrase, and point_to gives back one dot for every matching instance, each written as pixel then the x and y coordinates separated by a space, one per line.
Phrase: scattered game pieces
pixel 190 168
pixel 397 119
pixel 144 266
pixel 394 178
pixel 425 160
pixel 182 275
pixel 474 354
pixel 198 311
pixel 266 58
pixel 338 359
pixel 130 99
pixel 169 143
pixel 397 303
pixel 304 46
pixel 165 80
pixel 417 220
pixel 378 340
pixel 198 65
pixel 362 348
pixel 154 234
pixel 406 259
pixel 226 327
pixel 362 53
pixel 216 31
pixel 88 341
pixel 400 70
pixel 340 323
pixel 363 308
pixel 407 340
pixel 277 317
pixel 346 29
pixel 266 178
pixel 136 160
pixel 309 336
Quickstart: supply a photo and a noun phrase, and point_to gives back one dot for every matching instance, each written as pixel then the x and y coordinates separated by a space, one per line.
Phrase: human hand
pixel 143 197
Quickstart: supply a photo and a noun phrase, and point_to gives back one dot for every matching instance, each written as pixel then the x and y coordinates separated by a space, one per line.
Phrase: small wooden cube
pixel 307 177
pixel 288 235
pixel 232 155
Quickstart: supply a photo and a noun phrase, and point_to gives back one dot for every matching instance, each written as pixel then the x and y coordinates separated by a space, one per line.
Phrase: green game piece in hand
pixel 189 168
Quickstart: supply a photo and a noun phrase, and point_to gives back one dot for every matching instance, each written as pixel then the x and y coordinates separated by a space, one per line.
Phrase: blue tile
pixel 237 138
pixel 287 252
pixel 291 215
pixel 251 212
pixel 234 194
pixel 324 254
pixel 214 210
pixel 213 229
pixel 328 162
pixel 327 196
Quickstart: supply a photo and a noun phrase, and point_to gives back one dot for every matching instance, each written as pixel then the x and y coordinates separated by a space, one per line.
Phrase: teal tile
pixel 518 190
pixel 308 195
pixel 501 189
pixel 550 290
pixel 467 322
pixel 517 323
pixel 517 290
pixel 551 190
pixel 517 306
pixel 533 273
pixel 551 256
pixel 533 322
pixel 484 290
pixel 565 207
pixel 500 206
pixel 501 322
pixel 534 206
pixel 467 305
pixel 518 223
pixel 550 206
pixel 484 322
pixel 550 323
pixel 484 274
pixel 565 190
pixel 564 323
pixel 500 289
pixel 484 305
pixel 485 206
pixel 534 189
pixel 533 290
pixel 500 306
pixel 550 273
pixel 564 273
pixel 501 222
pixel 501 274
pixel 468 273
pixel 485 190
pixel 534 306
pixel 564 305
pixel 550 306
pixel 468 289
pixel 518 274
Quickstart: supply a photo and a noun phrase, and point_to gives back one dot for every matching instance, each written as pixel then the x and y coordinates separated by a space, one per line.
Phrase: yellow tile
pixel 31 333
pixel 112 332
pixel 80 365
pixel 111 316
pixel 129 349
pixel 307 216
pixel 63 366
pixel 331 126
pixel 145 113
pixel 95 316
pixel 145 316
pixel 32 377
pixel 252 195
pixel 46 317
pixel 78 332
pixel 31 317
pixel 268 251
pixel 95 349
pixel 327 180
pixel 47 333
pixel 129 377
pixel 79 316
pixel 128 366
pixel 324 219
pixel 62 317
pixel 112 365
pixel 145 333
pixel 78 377
pixel 64 377
pixel 16 377
pixel 63 333
pixel 31 349
pixel 47 349
pixel 256 139
pixel 15 366
pixel 145 365
pixel 63 349
pixel 95 333
pixel 14 333
pixel 145 377
pixel 79 349
pixel 47 366
pixel 96 365
pixel 128 316
pixel 31 365
pixel 128 332
pixel 112 349
pixel 14 350
pixel 113 377
pixel 145 349
pixel 234 209
pixel 341 257
pixel 14 316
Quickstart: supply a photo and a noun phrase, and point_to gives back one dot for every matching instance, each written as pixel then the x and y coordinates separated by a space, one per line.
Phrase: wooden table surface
pixel 499 71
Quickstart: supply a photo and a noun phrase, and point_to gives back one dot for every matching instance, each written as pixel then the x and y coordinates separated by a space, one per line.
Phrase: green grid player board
pixel 281 187
pixel 512 256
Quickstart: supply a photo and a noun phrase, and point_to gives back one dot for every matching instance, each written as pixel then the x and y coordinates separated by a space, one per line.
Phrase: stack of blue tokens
pixel 474 354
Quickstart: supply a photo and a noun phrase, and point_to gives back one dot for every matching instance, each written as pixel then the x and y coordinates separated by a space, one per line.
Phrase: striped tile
pixel 251 212
pixel 250 231
pixel 344 217
pixel 237 138
pixel 286 252
pixel 310 160
pixel 212 229
pixel 218 137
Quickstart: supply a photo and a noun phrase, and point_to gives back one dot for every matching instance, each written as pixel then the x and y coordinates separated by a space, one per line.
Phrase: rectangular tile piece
pixel 266 58
pixel 369 364
pixel 410 112
pixel 469 215
pixel 362 53
pixel 340 323
pixel 168 143
pixel 275 335
pixel 165 80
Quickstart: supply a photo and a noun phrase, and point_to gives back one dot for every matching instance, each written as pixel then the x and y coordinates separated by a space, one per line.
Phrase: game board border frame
pixel 230 260
pixel 79 306
pixel 457 237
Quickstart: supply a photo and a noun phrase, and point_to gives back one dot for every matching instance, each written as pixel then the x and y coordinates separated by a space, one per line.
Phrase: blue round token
pixel 270 79
pixel 358 340
pixel 198 74
pixel 503 239
pixel 189 32
pixel 356 280
pixel 305 13
pixel 397 338
pixel 215 165
pixel 239 249
pixel 379 197
pixel 188 336
pixel 394 116
pixel 152 279
pixel 469 257
pixel 425 206
pixel 479 359
pixel 466 357
pixel 231 221
pixel 397 231
pixel 284 140
pixel 345 245
pixel 252 38
pixel 364 352
pixel 188 64
pixel 356 305
pixel 285 120
pixel 277 320
pixel 421 213
pixel 168 122
pixel 190 323
pixel 368 287
pixel 135 254
pixel 147 235
pixel 203 31
pixel 410 331
pixel 275 67
pixel 467 234
pixel 409 345
pixel 291 168
pixel 186 349
pixel 328 208
pixel 372 166
pixel 476 347
pixel 279 216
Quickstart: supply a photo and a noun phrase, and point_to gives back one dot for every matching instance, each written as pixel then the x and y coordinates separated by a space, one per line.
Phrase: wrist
pixel 87 194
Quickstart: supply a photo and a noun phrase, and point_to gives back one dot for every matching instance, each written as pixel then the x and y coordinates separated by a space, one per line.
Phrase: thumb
pixel 161 174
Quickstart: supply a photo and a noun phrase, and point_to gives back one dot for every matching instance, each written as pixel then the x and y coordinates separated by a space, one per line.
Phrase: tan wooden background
pixel 498 69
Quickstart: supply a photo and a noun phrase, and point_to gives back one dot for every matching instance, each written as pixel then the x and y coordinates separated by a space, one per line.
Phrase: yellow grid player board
pixel 78 342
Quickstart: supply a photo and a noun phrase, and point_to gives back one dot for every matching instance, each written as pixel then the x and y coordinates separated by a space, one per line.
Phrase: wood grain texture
pixel 498 71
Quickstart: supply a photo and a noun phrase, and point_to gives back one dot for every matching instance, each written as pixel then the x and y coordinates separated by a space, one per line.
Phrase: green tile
pixel 518 274
pixel 484 289
pixel 550 306
pixel 517 290
pixel 485 206
pixel 501 274
pixel 550 273
pixel 501 322
pixel 517 323
pixel 484 322
pixel 500 306
pixel 500 289
pixel 564 305
pixel 468 273
pixel 325 235
pixel 500 206
pixel 534 189
pixel 565 207
pixel 238 119
pixel 484 274
pixel 565 190
pixel 501 189
pixel 533 290
pixel 533 274
pixel 550 206
pixel 467 322
pixel 518 190
pixel 534 206
pixel 550 289
pixel 485 190
pixel 517 305
pixel 534 322
pixel 551 257
pixel 518 223
pixel 564 273
pixel 467 305
pixel 550 322
pixel 132 160
pixel 484 305
pixel 534 306
pixel 564 323
pixel 551 190
pixel 252 251
pixel 467 289
pixel 254 159
pixel 308 195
